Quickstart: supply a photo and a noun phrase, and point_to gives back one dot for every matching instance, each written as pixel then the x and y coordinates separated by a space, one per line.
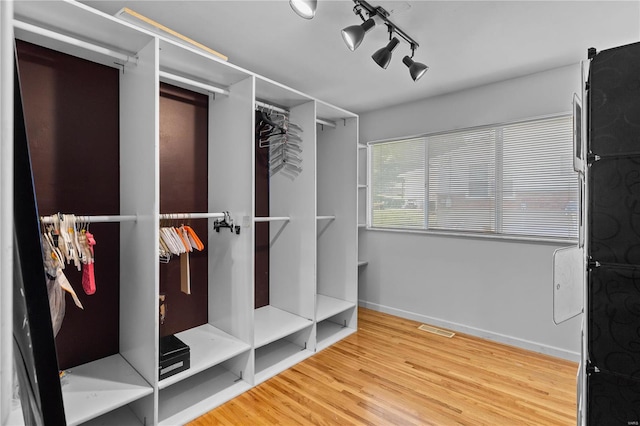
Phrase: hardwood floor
pixel 389 372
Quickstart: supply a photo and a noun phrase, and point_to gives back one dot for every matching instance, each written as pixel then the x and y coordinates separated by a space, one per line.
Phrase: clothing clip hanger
pixel 226 222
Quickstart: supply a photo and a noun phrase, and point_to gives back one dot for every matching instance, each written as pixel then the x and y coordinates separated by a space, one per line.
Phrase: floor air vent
pixel 437 331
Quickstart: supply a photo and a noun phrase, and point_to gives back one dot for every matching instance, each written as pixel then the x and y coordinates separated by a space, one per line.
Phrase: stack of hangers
pixel 65 240
pixel 276 132
pixel 179 241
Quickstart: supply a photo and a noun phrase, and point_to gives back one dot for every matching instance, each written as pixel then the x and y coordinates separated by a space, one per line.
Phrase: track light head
pixel 382 56
pixel 354 34
pixel 416 69
pixel 304 8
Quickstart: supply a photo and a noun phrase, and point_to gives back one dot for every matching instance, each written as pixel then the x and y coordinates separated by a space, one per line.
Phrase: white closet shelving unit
pixel 220 351
pixel 363 185
pixel 313 218
pixel 283 333
pixel 363 195
pixel 117 386
pixel 337 239
pixel 362 212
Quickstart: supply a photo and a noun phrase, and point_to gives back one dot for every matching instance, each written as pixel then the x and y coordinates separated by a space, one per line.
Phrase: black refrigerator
pixel 610 376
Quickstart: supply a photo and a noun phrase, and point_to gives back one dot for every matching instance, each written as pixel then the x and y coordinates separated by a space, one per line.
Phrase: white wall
pixel 497 289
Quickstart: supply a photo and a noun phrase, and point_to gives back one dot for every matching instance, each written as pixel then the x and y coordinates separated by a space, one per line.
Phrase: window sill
pixel 473 235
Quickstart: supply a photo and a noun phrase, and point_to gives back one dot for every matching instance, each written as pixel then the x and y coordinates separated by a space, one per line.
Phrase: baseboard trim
pixel 485 334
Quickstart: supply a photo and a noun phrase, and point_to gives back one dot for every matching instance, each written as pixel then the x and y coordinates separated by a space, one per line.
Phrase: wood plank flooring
pixel 391 373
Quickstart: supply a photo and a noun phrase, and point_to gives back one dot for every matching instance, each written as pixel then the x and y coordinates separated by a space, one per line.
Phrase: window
pixel 515 179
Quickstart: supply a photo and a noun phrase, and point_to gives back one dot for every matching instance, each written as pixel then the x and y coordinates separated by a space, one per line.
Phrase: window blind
pixel 540 195
pixel 397 184
pixel 461 182
pixel 515 179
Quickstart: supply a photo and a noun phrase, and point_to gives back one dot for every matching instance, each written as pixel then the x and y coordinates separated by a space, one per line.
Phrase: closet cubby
pixel 336 239
pixel 241 330
pixel 220 346
pixel 101 381
pixel 283 333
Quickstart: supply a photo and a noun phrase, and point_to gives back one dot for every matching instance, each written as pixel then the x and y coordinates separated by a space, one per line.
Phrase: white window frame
pixel 499 189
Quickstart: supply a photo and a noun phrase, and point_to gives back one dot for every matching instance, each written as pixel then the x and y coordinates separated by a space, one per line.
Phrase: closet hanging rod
pixel 326 122
pixel 272 219
pixel 284 111
pixel 325 217
pixel 170 216
pixel 271 107
pixel 75 42
pixel 194 83
pixel 94 219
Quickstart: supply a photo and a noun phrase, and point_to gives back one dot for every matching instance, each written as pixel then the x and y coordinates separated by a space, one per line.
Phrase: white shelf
pixel 93 389
pixel 277 357
pixel 82 22
pixel 362 263
pixel 272 219
pixel 122 417
pixel 197 395
pixel 329 306
pixel 208 347
pixel 328 333
pixel 272 324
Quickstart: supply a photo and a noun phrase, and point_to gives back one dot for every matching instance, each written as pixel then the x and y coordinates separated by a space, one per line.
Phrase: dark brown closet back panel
pixel 72 116
pixel 262 228
pixel 184 118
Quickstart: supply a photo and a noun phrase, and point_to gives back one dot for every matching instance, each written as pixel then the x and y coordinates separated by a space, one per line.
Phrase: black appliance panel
pixel 612 400
pixel 614 329
pixel 614 110
pixel 614 211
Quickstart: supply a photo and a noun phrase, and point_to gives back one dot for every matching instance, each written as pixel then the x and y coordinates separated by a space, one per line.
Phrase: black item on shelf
pixel 175 356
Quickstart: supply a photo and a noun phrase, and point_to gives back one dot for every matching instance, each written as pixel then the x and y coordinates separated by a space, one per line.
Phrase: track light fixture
pixel 382 56
pixel 416 69
pixel 354 34
pixel 304 8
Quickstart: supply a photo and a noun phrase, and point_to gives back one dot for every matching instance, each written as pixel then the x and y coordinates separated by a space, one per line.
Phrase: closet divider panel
pixel 6 209
pixel 230 189
pixel 183 188
pixel 262 229
pixel 293 246
pixel 139 192
pixel 71 111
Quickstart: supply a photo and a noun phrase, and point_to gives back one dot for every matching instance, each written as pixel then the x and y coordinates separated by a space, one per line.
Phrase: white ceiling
pixel 465 43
